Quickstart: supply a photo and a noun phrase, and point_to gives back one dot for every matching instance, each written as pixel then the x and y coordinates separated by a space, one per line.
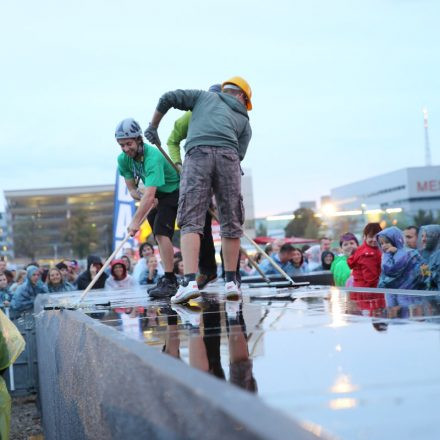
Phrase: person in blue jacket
pixel 400 266
pixel 56 283
pixel 430 240
pixel 26 293
pixel 429 236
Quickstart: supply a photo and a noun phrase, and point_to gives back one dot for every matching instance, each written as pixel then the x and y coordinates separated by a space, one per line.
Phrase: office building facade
pixel 410 189
pixel 42 216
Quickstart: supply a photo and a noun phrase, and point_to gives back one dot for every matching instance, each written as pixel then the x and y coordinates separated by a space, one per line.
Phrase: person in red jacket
pixel 366 259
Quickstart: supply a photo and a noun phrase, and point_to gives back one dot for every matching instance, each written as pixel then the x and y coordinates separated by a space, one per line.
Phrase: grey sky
pixel 338 86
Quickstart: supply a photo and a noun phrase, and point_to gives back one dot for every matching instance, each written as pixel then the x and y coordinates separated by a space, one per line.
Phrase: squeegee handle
pixel 105 265
pixel 271 260
pixel 214 216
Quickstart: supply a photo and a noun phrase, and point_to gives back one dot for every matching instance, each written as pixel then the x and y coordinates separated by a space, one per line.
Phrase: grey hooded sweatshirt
pixel 218 119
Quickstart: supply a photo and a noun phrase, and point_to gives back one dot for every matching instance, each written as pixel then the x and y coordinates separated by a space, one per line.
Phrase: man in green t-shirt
pixel 139 161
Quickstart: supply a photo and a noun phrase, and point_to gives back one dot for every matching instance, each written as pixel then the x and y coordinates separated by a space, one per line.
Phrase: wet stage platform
pixel 354 365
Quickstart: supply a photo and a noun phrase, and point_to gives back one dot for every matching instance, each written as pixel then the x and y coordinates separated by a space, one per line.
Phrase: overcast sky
pixel 338 87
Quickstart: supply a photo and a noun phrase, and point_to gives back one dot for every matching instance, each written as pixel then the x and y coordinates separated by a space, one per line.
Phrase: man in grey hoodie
pixel 217 140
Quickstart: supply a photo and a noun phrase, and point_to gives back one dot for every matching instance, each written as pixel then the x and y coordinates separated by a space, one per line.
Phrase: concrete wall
pixel 97 384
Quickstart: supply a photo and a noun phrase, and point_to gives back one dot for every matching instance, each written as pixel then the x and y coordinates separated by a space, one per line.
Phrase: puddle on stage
pixel 359 365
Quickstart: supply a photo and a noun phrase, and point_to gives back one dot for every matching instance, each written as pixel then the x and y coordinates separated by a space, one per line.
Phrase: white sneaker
pixel 232 291
pixel 232 309
pixel 189 315
pixel 186 292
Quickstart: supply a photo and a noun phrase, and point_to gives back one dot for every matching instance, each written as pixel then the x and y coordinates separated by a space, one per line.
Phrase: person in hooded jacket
pixel 26 293
pixel 400 266
pixel 429 238
pixel 327 258
pixel 56 282
pixel 119 279
pixel 94 265
pixel 366 260
pixel 430 242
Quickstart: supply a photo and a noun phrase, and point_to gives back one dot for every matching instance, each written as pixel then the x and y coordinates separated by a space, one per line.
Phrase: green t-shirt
pixel 153 170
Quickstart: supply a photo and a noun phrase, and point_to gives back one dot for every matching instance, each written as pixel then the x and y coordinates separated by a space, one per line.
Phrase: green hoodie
pixel 340 270
pixel 178 134
pixel 218 119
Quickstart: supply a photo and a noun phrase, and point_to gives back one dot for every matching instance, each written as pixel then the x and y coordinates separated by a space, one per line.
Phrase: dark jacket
pixel 85 278
pixel 324 265
pixel 218 119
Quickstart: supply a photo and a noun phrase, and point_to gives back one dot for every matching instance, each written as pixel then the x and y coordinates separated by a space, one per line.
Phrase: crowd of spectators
pixel 19 287
pixel 388 258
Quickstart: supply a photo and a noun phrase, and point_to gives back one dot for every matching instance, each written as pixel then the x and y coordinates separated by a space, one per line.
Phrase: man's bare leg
pixel 230 249
pixel 166 251
pixel 190 244
pixel 198 357
pixel 172 341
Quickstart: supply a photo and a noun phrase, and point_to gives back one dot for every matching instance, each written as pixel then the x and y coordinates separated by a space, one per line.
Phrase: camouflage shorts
pixel 207 170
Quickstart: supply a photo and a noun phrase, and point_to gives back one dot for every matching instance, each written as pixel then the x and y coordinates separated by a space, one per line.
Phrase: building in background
pixel 38 220
pixel 409 189
pixel 5 241
pixel 247 191
pixel 401 198
pixel 308 205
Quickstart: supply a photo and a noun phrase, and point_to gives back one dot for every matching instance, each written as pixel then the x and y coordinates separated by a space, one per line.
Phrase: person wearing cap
pixel 142 162
pixel 217 140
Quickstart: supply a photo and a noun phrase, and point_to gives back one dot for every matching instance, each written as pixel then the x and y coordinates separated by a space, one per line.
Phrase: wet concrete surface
pixel 358 365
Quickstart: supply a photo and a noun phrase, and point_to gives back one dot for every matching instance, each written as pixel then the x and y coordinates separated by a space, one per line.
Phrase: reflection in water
pixel 343 403
pixel 366 304
pixel 205 325
pixel 383 307
pixel 411 306
pixel 343 385
pixel 337 309
pixel 343 376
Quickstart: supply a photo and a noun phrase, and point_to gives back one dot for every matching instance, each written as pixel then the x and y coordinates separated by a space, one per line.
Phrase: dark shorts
pixel 163 218
pixel 208 169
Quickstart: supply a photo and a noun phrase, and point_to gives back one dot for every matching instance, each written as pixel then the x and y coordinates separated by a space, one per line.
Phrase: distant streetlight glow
pixel 280 217
pixel 328 209
pixel 343 213
pixel 343 403
pixel 373 211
